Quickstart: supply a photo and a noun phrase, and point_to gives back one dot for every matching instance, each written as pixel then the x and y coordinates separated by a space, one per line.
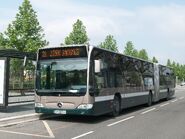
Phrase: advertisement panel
pixel 2 81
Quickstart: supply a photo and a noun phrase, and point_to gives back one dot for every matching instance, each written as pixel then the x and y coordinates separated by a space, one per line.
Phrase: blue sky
pixel 157 26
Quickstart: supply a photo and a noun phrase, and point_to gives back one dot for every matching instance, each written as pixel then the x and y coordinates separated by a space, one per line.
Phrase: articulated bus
pixel 87 80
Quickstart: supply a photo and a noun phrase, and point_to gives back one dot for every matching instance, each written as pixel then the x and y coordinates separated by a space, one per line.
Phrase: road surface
pixel 164 120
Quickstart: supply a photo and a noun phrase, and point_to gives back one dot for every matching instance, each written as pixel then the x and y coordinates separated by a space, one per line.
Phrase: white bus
pixel 87 80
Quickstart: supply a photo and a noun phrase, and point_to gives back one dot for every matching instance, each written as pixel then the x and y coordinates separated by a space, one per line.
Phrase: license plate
pixel 59 112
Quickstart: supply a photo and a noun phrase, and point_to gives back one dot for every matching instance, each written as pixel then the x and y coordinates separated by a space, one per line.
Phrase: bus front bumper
pixel 64 111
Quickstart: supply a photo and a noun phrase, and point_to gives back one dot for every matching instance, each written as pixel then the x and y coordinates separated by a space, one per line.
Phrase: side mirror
pixel 97 66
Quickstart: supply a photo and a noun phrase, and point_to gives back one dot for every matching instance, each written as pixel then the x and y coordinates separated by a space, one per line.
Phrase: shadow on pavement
pixel 18 108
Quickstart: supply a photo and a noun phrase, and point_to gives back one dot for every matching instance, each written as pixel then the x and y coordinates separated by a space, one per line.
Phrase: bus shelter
pixel 13 62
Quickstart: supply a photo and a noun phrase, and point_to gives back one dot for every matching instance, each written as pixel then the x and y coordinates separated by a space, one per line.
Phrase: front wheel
pixel 116 106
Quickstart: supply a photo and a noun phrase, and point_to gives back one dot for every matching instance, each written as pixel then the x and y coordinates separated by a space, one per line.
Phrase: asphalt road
pixel 164 120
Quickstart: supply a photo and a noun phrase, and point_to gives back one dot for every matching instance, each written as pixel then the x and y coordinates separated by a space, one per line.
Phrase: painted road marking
pixel 181 98
pixel 82 135
pixel 148 111
pixel 18 117
pixel 164 104
pixel 174 100
pixel 57 128
pixel 25 121
pixel 19 122
pixel 48 129
pixel 27 134
pixel 121 121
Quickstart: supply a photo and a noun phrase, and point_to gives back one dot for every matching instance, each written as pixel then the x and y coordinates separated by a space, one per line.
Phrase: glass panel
pixel 69 75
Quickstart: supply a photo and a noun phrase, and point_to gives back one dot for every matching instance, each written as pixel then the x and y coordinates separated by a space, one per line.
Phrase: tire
pixel 116 107
pixel 149 100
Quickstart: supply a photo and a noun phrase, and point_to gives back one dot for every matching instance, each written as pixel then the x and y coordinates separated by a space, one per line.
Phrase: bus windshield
pixel 62 75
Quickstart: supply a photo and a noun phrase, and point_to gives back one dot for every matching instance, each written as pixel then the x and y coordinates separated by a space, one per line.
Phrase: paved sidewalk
pixel 17 110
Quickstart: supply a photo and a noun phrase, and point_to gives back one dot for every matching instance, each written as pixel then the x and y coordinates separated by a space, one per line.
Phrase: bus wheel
pixel 149 99
pixel 116 106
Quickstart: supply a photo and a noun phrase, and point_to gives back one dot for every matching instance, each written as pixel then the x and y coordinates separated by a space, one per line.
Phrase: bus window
pixel 99 78
pixel 63 74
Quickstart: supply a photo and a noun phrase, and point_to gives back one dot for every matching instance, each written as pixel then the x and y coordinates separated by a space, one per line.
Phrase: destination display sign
pixel 62 52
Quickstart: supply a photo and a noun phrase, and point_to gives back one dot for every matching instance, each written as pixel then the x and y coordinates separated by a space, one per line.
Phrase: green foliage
pixel 169 63
pixel 154 60
pixel 24 33
pixel 143 54
pixel 109 43
pixel 3 41
pixel 78 35
pixel 135 53
pixel 130 50
pixel 178 69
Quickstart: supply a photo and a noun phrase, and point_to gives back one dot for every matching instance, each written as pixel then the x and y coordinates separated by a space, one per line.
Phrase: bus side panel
pixel 163 93
pixel 105 106
pixel 102 107
pixel 134 101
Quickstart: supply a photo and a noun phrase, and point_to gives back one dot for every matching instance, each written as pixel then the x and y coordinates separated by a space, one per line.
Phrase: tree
pixel 25 33
pixel 169 63
pixel 3 41
pixel 178 69
pixel 109 43
pixel 135 53
pixel 130 50
pixel 143 54
pixel 78 35
pixel 154 60
pixel 183 72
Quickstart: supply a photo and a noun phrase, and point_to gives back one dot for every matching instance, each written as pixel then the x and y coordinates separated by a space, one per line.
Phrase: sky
pixel 157 26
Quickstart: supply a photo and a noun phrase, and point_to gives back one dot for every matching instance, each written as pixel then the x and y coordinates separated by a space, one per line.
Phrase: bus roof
pixel 87 45
pixel 123 54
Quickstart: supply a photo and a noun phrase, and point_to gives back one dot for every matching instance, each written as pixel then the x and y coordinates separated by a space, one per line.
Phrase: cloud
pixel 99 21
pixel 158 29
pixel 6 17
pixel 163 29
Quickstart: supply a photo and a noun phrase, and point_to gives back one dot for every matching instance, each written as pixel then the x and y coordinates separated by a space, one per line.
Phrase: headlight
pixel 39 105
pixel 85 106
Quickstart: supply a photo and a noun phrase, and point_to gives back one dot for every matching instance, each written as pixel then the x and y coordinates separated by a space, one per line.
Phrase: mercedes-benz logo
pixel 59 104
